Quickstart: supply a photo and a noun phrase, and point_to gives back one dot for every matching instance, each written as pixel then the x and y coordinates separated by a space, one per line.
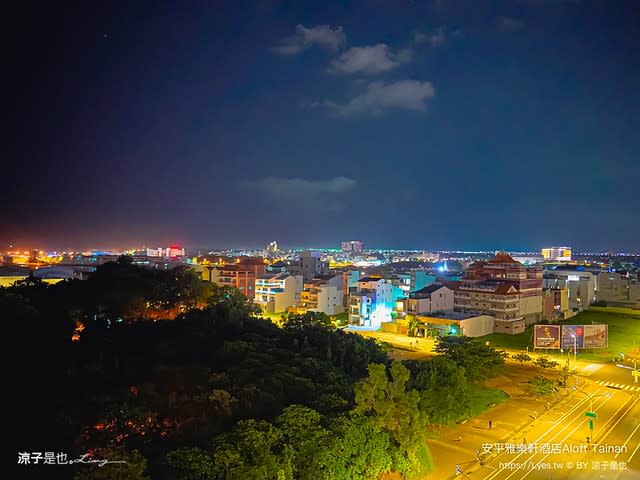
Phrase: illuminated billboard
pixel 568 333
pixel 596 336
pixel 546 336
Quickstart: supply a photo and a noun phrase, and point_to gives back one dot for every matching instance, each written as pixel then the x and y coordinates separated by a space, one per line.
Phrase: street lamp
pixel 575 347
pixel 591 414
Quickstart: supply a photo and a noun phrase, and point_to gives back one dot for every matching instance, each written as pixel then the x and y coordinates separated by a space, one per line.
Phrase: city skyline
pixel 509 126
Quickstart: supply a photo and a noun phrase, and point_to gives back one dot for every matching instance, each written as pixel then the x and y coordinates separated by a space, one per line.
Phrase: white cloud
pixel 326 36
pixel 436 38
pixel 369 60
pixel 300 188
pixel 402 94
pixel 510 23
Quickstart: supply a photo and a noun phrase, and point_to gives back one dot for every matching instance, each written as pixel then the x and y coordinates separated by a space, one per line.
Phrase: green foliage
pixel 357 449
pixel 394 410
pixel 565 372
pixel 545 362
pixel 300 321
pixel 191 463
pixel 133 469
pixel 542 387
pixel 444 390
pixel 521 357
pixel 478 360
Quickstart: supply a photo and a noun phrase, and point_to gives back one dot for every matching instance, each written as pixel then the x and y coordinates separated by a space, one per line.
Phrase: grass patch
pixel 425 460
pixel 515 342
pixel 624 331
pixel 624 335
pixel 482 399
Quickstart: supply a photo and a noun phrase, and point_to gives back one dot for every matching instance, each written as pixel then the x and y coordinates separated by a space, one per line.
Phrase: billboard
pixel 546 336
pixel 596 336
pixel 568 331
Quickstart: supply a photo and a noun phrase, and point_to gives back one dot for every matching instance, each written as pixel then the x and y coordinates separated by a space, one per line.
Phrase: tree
pixel 542 387
pixel 297 321
pixel 565 373
pixel 191 463
pixel 356 450
pixel 444 390
pixel 479 361
pixel 395 410
pixel 304 435
pixel 252 450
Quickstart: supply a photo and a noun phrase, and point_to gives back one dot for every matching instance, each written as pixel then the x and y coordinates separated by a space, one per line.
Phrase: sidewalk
pixel 510 422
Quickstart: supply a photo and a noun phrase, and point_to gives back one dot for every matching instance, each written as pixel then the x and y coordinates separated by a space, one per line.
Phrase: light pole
pixel 591 414
pixel 575 347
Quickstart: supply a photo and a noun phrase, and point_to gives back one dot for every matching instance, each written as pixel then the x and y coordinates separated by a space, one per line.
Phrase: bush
pixel 521 357
pixel 545 362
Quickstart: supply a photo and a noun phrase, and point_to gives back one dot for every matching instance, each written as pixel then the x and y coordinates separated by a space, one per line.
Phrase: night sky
pixel 405 124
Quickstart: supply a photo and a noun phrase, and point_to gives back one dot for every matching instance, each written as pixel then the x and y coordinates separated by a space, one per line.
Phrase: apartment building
pixel 276 293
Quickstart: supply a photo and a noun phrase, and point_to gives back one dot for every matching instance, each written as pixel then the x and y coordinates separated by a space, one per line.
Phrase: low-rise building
pixel 276 293
pixel 372 302
pixel 555 304
pixel 241 275
pixel 581 285
pixel 323 295
pixel 444 324
pixel 433 298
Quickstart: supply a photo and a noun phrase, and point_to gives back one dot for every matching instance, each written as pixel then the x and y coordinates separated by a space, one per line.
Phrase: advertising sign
pixel 596 336
pixel 546 336
pixel 568 331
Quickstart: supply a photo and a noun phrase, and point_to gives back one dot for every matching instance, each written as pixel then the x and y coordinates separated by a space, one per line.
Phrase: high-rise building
pixel 352 246
pixel 557 254
pixel 272 248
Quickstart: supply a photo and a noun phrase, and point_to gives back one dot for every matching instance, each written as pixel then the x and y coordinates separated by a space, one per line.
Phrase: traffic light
pixel 453 330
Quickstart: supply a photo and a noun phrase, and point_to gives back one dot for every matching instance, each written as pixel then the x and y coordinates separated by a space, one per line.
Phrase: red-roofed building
pixel 503 288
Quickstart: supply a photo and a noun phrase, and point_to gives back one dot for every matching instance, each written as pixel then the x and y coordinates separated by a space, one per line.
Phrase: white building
pixel 372 303
pixel 433 298
pixel 278 292
pixel 581 285
pixel 323 295
pixel 557 254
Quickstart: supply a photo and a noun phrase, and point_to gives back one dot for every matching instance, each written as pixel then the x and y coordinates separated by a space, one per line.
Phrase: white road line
pixel 627 441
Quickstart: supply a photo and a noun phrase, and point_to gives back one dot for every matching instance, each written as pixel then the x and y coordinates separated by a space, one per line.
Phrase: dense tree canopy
pixel 184 380
pixel 479 361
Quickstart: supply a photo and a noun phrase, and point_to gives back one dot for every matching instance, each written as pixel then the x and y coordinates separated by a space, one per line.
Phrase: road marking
pixel 563 439
pixel 576 407
pixel 620 386
pixel 627 441
pixel 589 369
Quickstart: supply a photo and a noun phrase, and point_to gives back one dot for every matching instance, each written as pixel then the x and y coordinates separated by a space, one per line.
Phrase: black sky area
pixel 469 125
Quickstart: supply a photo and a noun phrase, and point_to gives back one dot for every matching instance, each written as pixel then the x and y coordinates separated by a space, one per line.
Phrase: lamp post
pixel 575 347
pixel 591 414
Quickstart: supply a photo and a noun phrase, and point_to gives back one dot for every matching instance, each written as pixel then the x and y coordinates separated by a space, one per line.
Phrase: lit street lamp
pixel 575 347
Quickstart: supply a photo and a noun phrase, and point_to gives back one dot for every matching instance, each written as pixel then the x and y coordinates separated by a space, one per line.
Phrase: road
pixel 606 389
pixel 617 377
pixel 556 442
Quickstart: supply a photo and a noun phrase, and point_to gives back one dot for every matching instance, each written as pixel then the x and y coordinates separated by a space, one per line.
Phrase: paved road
pixel 557 446
pixel 611 376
